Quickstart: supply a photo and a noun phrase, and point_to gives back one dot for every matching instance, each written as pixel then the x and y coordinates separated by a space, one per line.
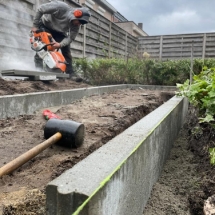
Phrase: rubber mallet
pixel 64 132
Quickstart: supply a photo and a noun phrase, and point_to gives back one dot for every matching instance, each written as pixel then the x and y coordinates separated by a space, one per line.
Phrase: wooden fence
pixel 178 46
pixel 100 38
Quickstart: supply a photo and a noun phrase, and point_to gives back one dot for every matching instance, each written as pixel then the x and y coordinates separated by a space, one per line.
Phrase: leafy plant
pixel 201 93
pixel 212 155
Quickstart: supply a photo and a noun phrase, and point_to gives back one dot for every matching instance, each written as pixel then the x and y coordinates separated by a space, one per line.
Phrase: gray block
pixel 36 75
pixel 117 179
pixel 15 105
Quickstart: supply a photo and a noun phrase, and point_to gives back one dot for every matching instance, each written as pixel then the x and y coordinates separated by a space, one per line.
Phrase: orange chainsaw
pixel 53 60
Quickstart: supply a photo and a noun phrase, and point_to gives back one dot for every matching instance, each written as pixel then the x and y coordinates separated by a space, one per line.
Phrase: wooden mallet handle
pixel 22 159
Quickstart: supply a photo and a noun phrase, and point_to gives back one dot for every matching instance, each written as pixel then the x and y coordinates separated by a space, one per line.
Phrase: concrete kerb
pixel 117 179
pixel 15 105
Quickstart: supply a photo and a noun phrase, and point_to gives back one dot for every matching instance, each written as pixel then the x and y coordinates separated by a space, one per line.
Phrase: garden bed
pixel 187 179
pixel 104 117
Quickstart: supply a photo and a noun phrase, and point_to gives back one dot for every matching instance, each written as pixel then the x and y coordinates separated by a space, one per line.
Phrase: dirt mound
pixel 11 87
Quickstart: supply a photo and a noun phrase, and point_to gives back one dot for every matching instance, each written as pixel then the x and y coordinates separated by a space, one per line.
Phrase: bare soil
pixel 187 179
pixel 11 87
pixel 105 116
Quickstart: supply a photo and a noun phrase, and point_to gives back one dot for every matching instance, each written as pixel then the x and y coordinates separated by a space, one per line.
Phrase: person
pixel 63 22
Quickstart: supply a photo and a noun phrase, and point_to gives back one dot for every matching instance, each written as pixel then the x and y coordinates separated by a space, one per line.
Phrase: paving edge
pixel 21 104
pixel 117 179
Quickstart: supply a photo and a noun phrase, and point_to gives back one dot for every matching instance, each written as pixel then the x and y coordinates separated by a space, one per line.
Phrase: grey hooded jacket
pixel 57 16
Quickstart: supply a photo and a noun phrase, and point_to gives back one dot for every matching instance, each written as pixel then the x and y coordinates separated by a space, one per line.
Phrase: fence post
pixel 109 48
pixel 126 44
pixel 204 46
pixel 161 47
pixel 191 66
pixel 84 41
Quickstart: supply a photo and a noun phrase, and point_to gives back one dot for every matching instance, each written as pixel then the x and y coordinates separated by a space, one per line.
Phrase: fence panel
pixel 178 46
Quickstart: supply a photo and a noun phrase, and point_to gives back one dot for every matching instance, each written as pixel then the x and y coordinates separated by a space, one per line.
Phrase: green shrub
pixel 138 71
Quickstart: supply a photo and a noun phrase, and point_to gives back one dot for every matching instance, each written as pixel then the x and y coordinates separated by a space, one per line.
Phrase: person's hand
pixel 33 29
pixel 56 45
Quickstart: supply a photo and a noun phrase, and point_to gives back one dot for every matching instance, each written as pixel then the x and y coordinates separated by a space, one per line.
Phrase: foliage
pixel 201 93
pixel 212 155
pixel 136 70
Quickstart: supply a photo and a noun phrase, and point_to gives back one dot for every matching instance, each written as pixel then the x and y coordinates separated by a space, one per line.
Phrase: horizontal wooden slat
pixel 17 6
pixel 176 46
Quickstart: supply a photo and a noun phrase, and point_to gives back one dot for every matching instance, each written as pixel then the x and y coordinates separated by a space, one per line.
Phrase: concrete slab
pixel 34 75
pixel 117 179
pixel 15 105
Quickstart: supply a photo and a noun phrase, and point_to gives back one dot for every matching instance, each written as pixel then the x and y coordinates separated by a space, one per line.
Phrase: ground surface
pixel 103 116
pixel 187 179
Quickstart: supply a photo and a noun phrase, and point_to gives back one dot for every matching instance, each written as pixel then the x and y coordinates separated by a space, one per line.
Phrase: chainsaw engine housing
pixel 41 43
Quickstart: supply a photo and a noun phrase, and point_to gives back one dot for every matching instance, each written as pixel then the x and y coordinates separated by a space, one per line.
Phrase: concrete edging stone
pixel 21 104
pixel 117 179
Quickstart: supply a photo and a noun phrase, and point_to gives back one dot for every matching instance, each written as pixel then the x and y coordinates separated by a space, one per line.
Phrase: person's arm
pixel 72 35
pixel 48 8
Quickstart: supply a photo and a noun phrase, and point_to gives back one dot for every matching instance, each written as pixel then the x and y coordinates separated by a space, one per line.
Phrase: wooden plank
pixel 149 38
pixel 152 51
pixel 157 42
pixel 184 41
pixel 210 44
pixel 182 35
pixel 5 43
pixel 181 45
pixel 6 16
pixel 17 6
pixel 181 49
pixel 15 13
pixel 188 54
